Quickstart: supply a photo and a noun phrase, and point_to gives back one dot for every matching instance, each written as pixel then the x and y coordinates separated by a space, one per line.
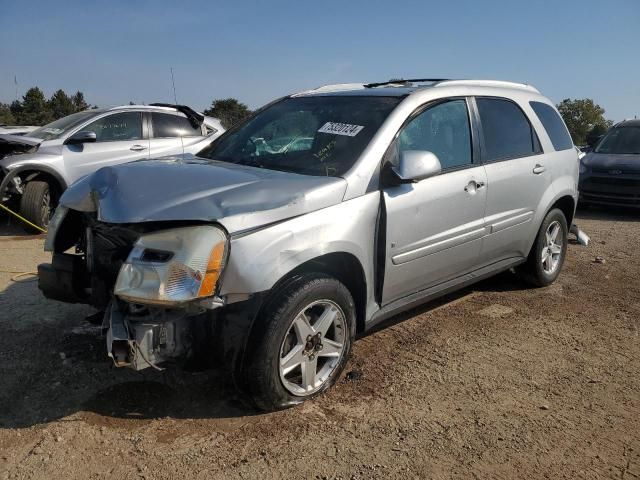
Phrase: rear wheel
pixel 301 344
pixel 35 204
pixel 548 252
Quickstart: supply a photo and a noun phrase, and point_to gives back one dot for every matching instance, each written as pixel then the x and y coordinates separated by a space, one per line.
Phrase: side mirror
pixel 84 136
pixel 416 165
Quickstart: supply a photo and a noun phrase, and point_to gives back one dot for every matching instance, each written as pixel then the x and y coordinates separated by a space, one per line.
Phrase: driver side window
pixel 117 127
pixel 443 130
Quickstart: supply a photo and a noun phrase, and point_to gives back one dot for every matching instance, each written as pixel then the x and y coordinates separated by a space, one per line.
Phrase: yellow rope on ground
pixel 21 274
pixel 22 218
pixel 24 274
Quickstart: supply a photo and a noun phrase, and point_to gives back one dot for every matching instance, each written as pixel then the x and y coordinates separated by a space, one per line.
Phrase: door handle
pixel 538 169
pixel 138 148
pixel 473 186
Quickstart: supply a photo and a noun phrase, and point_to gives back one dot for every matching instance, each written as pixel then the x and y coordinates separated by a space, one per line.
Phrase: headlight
pixel 54 225
pixel 173 266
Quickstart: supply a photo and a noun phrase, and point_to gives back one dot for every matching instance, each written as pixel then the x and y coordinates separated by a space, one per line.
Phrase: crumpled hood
pixel 16 144
pixel 19 139
pixel 236 196
pixel 605 161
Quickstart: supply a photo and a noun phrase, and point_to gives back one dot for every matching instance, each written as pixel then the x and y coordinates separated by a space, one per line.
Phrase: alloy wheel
pixel 552 250
pixel 312 347
pixel 45 209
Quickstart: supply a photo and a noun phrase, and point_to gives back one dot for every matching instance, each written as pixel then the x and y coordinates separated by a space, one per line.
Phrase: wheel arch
pixel 344 267
pixel 29 172
pixel 567 205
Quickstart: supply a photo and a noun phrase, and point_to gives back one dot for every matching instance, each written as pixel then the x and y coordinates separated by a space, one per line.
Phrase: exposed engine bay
pixel 13 145
pixel 87 258
pixel 15 149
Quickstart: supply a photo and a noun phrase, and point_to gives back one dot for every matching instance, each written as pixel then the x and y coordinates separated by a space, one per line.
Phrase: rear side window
pixel 553 124
pixel 166 126
pixel 507 131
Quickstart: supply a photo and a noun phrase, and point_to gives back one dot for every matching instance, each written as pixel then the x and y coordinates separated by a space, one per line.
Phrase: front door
pixel 435 226
pixel 119 139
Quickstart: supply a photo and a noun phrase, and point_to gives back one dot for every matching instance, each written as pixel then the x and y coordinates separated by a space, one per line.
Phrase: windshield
pixel 61 126
pixel 307 135
pixel 621 140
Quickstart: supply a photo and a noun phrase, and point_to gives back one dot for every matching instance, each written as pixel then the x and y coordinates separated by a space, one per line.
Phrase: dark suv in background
pixel 610 173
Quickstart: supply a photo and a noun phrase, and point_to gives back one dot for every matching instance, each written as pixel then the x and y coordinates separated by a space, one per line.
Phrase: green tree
pixel 229 111
pixel 583 116
pixel 61 105
pixel 79 102
pixel 16 110
pixel 6 117
pixel 35 110
pixel 596 132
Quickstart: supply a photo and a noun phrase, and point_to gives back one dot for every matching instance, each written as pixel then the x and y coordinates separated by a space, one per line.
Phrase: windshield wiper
pixel 250 162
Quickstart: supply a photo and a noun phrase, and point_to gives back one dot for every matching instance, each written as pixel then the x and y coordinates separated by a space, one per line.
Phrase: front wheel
pixel 35 205
pixel 548 252
pixel 301 343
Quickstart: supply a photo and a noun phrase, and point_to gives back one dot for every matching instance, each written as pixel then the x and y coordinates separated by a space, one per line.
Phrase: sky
pixel 119 51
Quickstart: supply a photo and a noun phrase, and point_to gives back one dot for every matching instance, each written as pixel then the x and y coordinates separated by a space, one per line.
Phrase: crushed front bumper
pixel 144 336
pixel 148 339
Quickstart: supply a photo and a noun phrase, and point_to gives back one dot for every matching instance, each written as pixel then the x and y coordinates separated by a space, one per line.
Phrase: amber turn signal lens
pixel 208 285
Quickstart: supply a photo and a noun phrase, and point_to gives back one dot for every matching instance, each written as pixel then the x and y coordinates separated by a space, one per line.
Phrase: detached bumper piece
pixel 140 338
pixel 64 279
pixel 582 238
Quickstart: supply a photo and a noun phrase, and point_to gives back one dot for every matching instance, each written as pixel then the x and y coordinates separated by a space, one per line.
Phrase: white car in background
pixel 35 168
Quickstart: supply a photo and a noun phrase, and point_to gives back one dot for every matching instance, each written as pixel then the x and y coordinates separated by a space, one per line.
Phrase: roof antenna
pixel 175 100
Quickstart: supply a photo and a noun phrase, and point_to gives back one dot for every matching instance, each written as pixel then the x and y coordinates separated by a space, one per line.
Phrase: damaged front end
pixel 152 280
pixel 13 145
pixel 139 337
pixel 17 144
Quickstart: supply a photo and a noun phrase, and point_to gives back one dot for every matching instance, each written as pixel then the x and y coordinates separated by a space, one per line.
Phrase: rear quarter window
pixel 506 130
pixel 167 126
pixel 553 124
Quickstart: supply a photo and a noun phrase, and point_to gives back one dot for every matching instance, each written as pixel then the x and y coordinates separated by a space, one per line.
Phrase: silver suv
pixel 323 214
pixel 36 167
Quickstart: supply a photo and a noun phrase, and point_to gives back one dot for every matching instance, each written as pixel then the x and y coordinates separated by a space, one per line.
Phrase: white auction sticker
pixel 341 129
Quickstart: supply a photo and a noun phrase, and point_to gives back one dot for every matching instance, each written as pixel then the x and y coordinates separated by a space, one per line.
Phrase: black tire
pixel 35 205
pixel 260 370
pixel 533 271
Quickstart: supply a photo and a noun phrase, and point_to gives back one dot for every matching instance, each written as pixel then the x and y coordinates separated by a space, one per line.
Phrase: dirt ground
pixel 499 381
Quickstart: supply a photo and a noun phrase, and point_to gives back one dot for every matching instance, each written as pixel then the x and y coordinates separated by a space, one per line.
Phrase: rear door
pixel 435 226
pixel 517 176
pixel 170 133
pixel 119 139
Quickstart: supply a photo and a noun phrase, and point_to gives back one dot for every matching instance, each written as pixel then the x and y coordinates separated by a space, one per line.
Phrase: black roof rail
pixel 195 119
pixel 407 81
